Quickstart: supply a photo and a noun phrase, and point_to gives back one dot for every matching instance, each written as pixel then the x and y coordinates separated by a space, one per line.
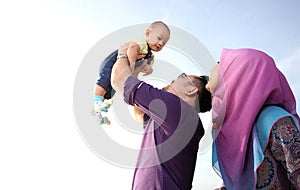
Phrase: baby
pixel 156 36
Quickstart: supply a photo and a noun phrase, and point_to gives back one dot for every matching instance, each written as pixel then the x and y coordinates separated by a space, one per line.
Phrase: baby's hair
pixel 156 23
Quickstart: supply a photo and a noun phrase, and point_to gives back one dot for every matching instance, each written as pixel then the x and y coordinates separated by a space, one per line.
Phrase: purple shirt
pixel 170 144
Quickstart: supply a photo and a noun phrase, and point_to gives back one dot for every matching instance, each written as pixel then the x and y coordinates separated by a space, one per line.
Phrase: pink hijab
pixel 248 80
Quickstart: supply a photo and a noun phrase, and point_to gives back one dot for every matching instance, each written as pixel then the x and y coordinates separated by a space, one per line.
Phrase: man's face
pixel 180 85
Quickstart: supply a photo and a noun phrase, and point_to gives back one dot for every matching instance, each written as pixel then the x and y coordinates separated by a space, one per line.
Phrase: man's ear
pixel 191 91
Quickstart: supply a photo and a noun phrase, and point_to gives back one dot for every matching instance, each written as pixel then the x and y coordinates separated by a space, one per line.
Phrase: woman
pixel 256 127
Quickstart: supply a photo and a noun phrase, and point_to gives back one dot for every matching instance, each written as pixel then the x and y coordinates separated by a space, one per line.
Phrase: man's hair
pixel 156 23
pixel 204 95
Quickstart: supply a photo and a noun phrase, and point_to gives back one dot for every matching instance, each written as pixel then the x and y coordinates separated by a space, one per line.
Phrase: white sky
pixel 42 44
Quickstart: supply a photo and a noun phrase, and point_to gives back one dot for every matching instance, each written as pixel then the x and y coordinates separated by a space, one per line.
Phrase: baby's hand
pixel 146 69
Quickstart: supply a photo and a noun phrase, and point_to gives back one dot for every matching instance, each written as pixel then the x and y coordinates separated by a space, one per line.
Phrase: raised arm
pixel 120 72
pixel 131 51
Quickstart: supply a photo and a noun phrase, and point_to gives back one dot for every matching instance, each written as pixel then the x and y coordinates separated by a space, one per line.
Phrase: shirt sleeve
pixel 163 107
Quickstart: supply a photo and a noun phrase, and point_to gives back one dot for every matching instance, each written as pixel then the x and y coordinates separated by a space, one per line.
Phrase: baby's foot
pixel 104 120
pixel 105 105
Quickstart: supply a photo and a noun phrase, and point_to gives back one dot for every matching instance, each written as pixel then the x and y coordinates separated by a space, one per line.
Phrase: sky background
pixel 42 44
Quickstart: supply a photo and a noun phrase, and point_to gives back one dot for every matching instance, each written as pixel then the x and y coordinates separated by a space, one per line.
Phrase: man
pixel 172 125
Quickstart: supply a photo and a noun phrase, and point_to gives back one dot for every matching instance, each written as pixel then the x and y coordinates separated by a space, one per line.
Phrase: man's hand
pixel 121 71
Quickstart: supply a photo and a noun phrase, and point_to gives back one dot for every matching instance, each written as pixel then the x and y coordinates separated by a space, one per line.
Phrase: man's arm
pixel 131 50
pixel 120 72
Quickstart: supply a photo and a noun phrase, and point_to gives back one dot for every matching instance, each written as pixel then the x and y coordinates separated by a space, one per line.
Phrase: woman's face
pixel 213 79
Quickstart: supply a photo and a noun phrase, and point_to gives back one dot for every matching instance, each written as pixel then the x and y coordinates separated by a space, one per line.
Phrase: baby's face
pixel 157 37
